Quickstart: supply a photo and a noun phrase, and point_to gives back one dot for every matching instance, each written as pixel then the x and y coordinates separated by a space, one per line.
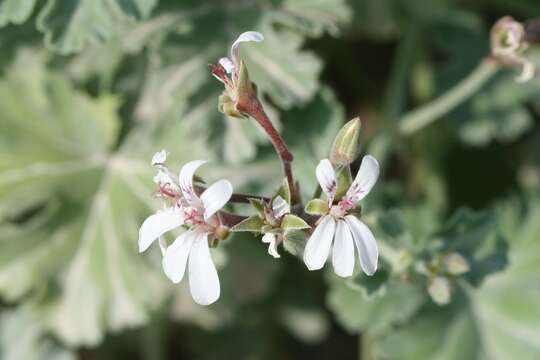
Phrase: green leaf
pixel 293 222
pixel 15 11
pixel 90 196
pixel 21 337
pixel 371 286
pixel 375 314
pixel 317 207
pixel 70 26
pixel 252 223
pixel 498 320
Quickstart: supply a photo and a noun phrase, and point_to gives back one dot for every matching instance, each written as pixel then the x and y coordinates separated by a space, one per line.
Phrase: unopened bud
pixel 346 145
pixel 439 290
pixel 228 107
pixel 508 37
pixel 455 264
pixel 222 232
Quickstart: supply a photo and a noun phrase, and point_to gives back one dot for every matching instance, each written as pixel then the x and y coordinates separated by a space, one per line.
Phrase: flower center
pixel 192 216
pixel 341 208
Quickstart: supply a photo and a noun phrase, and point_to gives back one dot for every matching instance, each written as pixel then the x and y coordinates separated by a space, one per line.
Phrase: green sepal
pixel 253 223
pixel 294 241
pixel 228 107
pixel 317 207
pixel 344 181
pixel 258 204
pixel 284 191
pixel 293 222
pixel 244 87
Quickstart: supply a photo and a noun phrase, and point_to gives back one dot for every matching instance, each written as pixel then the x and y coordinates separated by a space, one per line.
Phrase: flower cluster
pixel 198 211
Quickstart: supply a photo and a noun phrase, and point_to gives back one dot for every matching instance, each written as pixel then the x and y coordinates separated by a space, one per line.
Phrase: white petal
pixel 368 252
pixel 186 178
pixel 327 178
pixel 158 224
pixel 280 207
pixel 244 37
pixel 215 197
pixel 271 240
pixel 527 71
pixel 318 245
pixel 159 157
pixel 162 245
pixel 166 178
pixel 365 179
pixel 176 256
pixel 203 277
pixel 343 250
pixel 227 64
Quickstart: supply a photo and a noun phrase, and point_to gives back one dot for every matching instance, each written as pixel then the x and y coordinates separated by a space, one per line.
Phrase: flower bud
pixel 222 232
pixel 228 107
pixel 346 145
pixel 439 290
pixel 455 264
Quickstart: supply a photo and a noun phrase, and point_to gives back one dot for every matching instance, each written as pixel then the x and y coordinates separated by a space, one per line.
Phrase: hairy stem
pixel 426 114
pixel 254 108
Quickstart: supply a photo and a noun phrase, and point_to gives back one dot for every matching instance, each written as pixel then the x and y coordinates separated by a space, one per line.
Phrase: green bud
pixel 222 232
pixel 439 290
pixel 228 107
pixel 317 207
pixel 455 264
pixel 346 145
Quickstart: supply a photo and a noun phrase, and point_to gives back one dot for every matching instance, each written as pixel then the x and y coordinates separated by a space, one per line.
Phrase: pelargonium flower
pixel 508 45
pixel 232 73
pixel 338 225
pixel 198 214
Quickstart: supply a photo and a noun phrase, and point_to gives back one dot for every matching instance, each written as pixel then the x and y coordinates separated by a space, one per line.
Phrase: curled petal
pixel 203 277
pixel 227 64
pixel 158 224
pixel 159 157
pixel 318 245
pixel 271 240
pixel 280 207
pixel 244 37
pixel 186 179
pixel 215 197
pixel 176 256
pixel 365 179
pixel 368 252
pixel 343 250
pixel 327 178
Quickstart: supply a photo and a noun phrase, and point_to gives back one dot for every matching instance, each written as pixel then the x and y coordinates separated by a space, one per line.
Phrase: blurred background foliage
pixel 90 89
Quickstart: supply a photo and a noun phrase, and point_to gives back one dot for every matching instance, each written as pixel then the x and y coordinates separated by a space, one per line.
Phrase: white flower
pixel 198 214
pixel 342 228
pixel 272 240
pixel 227 71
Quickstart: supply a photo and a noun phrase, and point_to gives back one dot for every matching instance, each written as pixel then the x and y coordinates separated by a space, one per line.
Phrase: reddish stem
pixel 253 108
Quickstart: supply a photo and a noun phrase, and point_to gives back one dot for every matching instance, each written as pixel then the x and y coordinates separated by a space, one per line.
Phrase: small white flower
pixel 272 240
pixel 274 214
pixel 342 228
pixel 198 214
pixel 227 71
pixel 159 158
